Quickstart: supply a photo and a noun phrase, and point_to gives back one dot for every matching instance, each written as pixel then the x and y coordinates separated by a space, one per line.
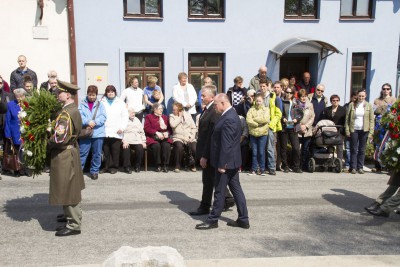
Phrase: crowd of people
pixel 273 115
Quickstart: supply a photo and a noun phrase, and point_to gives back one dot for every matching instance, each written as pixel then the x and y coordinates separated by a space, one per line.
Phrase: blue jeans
pixel 96 145
pixel 358 142
pixel 271 150
pixel 347 161
pixel 258 152
pixel 305 155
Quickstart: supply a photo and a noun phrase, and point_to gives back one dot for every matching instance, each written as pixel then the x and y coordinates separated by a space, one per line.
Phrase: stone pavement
pixel 296 220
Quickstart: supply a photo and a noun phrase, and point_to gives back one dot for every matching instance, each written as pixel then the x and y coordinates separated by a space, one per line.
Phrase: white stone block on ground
pixel 127 256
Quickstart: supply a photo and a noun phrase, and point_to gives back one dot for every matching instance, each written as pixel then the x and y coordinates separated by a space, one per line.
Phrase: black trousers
pixel 161 152
pixel 208 179
pixel 244 149
pixel 285 136
pixel 111 148
pixel 179 151
pixel 126 155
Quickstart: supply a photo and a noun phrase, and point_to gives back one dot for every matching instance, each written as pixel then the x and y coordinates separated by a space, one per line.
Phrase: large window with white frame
pixel 356 8
pixel 206 65
pixel 143 8
pixel 301 9
pixel 143 65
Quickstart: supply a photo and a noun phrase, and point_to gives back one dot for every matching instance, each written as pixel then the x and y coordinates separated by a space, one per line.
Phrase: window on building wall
pixel 356 8
pixel 301 9
pixel 206 65
pixel 359 71
pixel 141 66
pixel 206 8
pixel 143 8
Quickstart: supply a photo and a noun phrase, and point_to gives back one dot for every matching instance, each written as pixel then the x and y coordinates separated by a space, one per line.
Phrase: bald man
pixel 225 157
pixel 262 75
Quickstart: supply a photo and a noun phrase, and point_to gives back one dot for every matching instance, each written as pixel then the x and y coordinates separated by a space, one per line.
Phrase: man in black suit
pixel 225 157
pixel 206 124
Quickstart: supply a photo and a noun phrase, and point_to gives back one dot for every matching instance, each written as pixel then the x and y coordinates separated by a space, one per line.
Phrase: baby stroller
pixel 326 136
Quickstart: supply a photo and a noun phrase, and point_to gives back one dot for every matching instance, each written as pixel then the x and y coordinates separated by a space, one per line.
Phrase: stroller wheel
pixel 337 165
pixel 311 165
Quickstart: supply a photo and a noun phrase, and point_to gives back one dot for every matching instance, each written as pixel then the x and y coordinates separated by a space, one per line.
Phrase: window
pixel 206 65
pixel 301 9
pixel 143 8
pixel 206 8
pixel 359 65
pixel 143 65
pixel 356 8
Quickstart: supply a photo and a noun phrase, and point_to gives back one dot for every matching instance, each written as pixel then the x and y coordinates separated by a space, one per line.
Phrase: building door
pixel 293 65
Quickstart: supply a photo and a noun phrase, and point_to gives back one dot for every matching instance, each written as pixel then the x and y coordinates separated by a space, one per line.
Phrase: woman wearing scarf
pixel 157 130
pixel 117 120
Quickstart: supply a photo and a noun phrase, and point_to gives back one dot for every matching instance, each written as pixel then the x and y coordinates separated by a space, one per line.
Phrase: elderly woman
pixel 359 127
pixel 148 93
pixel 185 94
pixel 117 120
pixel 157 130
pixel 134 138
pixel 381 106
pixel 93 116
pixel 12 122
pixel 306 122
pixel 183 134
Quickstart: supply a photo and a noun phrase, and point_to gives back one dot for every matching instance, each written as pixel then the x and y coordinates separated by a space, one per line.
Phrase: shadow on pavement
pixel 181 200
pixel 348 200
pixel 33 208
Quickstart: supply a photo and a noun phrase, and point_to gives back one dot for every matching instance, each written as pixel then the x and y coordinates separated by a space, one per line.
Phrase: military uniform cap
pixel 67 87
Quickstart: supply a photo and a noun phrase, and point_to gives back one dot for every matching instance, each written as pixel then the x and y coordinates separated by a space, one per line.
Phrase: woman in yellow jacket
pixel 257 121
pixel 359 126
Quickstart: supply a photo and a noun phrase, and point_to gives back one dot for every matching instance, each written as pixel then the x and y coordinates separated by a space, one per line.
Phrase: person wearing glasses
pixel 246 104
pixel 359 127
pixel 381 106
pixel 291 117
pixel 319 102
pixel 337 114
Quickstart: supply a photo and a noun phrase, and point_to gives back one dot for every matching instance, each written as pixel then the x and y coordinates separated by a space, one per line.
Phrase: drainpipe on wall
pixel 72 43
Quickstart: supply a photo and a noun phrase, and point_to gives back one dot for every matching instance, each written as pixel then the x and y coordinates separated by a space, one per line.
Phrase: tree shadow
pixel 33 208
pixel 350 201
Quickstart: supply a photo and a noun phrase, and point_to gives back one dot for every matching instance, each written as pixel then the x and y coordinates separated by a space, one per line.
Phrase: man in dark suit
pixel 206 124
pixel 225 157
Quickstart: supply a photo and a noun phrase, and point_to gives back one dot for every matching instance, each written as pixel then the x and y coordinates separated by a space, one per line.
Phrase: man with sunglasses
pixel 319 102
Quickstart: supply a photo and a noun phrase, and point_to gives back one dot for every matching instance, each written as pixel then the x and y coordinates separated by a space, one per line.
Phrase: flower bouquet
pixel 390 156
pixel 36 115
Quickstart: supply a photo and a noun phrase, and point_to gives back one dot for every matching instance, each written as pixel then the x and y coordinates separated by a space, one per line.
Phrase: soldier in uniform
pixel 66 177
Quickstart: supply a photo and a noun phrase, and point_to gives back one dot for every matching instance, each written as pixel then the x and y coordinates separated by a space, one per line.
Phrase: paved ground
pixel 291 215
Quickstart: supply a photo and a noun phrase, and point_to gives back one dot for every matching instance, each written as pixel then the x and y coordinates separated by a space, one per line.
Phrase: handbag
pixel 10 157
pixel 88 131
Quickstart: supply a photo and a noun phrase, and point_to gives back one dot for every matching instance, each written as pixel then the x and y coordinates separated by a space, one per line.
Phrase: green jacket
pixel 368 119
pixel 275 114
pixel 257 120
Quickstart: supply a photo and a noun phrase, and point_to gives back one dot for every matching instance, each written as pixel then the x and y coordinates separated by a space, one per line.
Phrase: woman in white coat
pixel 185 94
pixel 117 120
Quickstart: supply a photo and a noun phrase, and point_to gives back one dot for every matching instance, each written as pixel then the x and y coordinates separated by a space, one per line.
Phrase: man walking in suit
pixel 225 157
pixel 206 124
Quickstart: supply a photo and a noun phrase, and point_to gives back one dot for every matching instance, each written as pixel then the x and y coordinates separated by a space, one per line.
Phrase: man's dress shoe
pixel 128 170
pixel 67 232
pixel 378 212
pixel 200 211
pixel 207 226
pixel 373 206
pixel 239 224
pixel 228 205
pixel 59 228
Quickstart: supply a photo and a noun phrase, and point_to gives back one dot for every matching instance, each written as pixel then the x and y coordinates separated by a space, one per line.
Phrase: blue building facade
pixel 344 44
